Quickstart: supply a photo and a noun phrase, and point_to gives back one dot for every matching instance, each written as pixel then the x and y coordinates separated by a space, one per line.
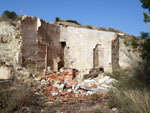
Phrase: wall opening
pixel 98 56
pixel 61 63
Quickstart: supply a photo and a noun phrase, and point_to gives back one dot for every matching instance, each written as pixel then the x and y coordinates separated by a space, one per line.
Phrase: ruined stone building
pixel 40 45
pixel 56 46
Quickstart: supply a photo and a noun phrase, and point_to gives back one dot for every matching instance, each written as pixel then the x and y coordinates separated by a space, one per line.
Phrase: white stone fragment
pixel 100 81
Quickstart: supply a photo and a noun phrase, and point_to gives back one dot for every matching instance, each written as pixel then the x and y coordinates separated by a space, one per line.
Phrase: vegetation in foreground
pixel 132 93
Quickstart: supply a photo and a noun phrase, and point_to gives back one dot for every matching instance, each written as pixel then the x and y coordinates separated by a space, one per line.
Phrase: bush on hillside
pixel 73 21
pixel 57 19
pixel 89 26
pixel 9 15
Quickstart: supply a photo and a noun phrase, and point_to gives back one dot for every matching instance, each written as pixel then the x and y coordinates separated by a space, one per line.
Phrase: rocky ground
pixel 56 92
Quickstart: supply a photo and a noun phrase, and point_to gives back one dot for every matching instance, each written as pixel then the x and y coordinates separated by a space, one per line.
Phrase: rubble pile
pixel 63 86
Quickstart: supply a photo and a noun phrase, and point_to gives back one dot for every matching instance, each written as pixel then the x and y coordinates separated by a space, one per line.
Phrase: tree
pixel 146 5
pixel 142 71
pixel 145 45
pixel 9 15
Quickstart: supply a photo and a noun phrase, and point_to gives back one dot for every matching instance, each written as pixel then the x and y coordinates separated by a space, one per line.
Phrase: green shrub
pixel 126 43
pixel 133 42
pixel 96 97
pixel 57 19
pixel 114 30
pixel 73 21
pixel 118 74
pixel 9 15
pixel 89 26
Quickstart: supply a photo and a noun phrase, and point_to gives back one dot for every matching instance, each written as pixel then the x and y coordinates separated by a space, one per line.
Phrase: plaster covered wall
pixel 71 47
pixel 80 44
pixel 127 56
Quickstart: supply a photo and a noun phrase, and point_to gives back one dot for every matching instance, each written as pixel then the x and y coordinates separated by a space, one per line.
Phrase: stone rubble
pixel 61 85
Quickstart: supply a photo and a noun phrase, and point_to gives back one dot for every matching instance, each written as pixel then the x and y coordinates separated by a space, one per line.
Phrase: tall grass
pixel 132 93
pixel 130 101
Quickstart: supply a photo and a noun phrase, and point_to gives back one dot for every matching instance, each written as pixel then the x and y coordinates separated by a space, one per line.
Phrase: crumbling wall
pixel 115 53
pixel 80 44
pixel 28 30
pixel 40 40
pixel 50 34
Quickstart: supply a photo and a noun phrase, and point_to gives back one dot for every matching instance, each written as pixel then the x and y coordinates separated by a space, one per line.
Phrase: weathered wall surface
pixel 126 54
pixel 115 53
pixel 50 34
pixel 28 30
pixel 80 44
pixel 37 35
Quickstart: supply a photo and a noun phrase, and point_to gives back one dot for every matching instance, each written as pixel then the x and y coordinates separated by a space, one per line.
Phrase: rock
pixel 43 82
pixel 54 93
pixel 94 72
pixel 109 81
pixel 37 93
pixel 100 81
pixel 106 86
pixel 60 87
pixel 27 74
pixel 89 93
pixel 101 89
pixel 69 90
pixel 37 78
pixel 76 95
pixel 114 109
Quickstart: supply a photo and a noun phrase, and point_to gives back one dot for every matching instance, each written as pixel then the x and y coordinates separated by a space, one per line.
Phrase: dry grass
pixel 130 101
pixel 17 97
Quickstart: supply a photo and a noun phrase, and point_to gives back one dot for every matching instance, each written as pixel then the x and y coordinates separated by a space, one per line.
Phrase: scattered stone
pixel 69 90
pixel 114 109
pixel 43 82
pixel 61 85
pixel 100 81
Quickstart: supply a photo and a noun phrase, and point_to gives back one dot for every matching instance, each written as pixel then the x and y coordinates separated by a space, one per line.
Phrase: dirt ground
pixel 89 106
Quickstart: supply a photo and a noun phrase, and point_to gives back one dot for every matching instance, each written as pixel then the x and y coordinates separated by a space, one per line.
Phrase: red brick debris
pixel 59 86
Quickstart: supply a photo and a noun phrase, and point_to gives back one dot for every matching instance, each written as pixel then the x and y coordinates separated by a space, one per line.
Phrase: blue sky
pixel 124 15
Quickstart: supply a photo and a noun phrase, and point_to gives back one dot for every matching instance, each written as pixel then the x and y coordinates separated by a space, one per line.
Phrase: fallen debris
pixel 62 86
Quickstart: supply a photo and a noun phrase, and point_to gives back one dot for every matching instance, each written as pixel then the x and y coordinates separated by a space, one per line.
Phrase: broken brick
pixel 93 85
